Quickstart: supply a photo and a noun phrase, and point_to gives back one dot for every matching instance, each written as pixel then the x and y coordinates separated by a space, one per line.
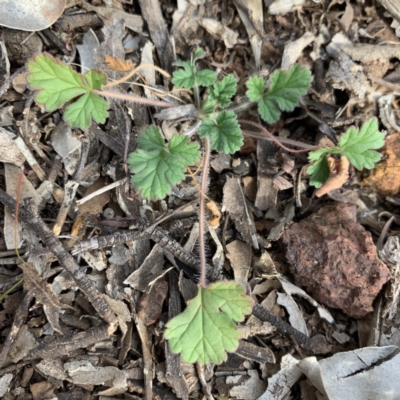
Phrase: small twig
pixel 282 327
pixel 104 189
pixel 156 234
pixel 19 320
pixel 203 381
pixel 148 366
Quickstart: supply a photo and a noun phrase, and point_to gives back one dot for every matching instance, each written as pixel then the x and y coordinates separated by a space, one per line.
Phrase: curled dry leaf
pixel 118 64
pixel 339 173
pixel 215 214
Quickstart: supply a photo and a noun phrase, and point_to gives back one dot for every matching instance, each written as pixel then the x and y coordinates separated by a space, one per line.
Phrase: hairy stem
pixel 134 99
pixel 204 187
pixel 266 135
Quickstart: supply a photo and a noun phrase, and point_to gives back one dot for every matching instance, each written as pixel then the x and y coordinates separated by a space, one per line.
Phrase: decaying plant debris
pixel 91 272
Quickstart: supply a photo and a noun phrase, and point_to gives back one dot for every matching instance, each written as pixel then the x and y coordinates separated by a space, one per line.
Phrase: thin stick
pixel 19 184
pixel 100 191
pixel 203 187
pixel 134 99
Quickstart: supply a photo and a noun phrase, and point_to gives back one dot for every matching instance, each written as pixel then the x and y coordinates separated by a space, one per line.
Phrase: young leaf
pixel 188 77
pixel 205 77
pixel 319 171
pixel 87 107
pixel 199 53
pixel 256 86
pixel 157 166
pixel 226 135
pixel 359 145
pixel 208 108
pixel 283 94
pixel 223 91
pixel 184 77
pixel 58 83
pixel 206 330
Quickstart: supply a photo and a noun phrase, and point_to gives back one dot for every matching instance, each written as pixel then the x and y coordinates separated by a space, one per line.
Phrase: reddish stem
pixel 269 136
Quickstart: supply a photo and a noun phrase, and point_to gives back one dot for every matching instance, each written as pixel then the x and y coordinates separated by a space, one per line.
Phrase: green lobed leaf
pixel 179 147
pixel 150 139
pixel 284 92
pixel 57 83
pixel 225 133
pixel 184 77
pixel 359 145
pixel 319 171
pixel 256 86
pixel 287 87
pixel 157 166
pixel 95 79
pixel 199 53
pixel 80 113
pixel 222 92
pixel 205 77
pixel 205 331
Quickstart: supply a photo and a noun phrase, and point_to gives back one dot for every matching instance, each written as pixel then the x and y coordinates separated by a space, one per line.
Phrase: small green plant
pixel 357 145
pixel 206 330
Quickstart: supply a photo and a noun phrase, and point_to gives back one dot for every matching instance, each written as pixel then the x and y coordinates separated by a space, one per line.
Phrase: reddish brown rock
pixel 335 259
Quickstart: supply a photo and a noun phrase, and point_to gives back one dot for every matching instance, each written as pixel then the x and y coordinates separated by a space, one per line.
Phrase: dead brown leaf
pixel 118 64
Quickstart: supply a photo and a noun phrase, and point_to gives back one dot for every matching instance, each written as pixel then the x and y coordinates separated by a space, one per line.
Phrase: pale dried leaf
pixel 21 347
pixel 296 318
pixel 219 31
pixel 9 152
pixel 84 373
pixel 30 15
pixel 294 49
pixel 5 381
pixel 132 21
pixel 279 385
pixel 234 202
pixel 282 7
pixel 240 254
pixel 151 268
pixel 251 389
pixel 122 312
pixel 26 190
pixel 67 146
pixel 360 374
pixel 292 289
pixel 87 51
